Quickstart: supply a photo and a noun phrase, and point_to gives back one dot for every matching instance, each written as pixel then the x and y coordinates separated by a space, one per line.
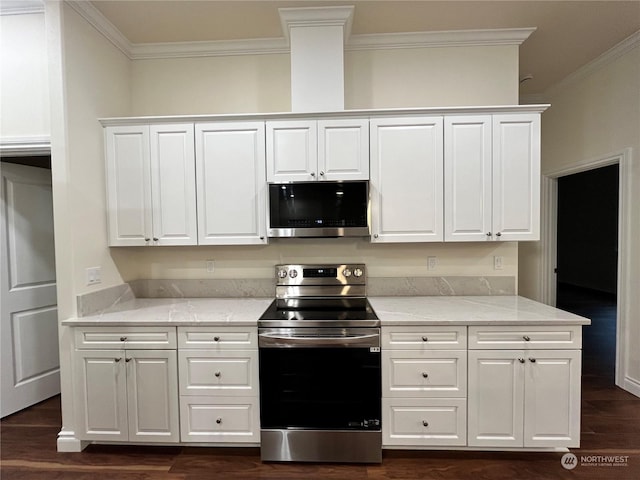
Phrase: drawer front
pixel 492 337
pixel 139 338
pixel 424 338
pixel 424 422
pixel 219 419
pixel 234 373
pixel 218 338
pixel 437 373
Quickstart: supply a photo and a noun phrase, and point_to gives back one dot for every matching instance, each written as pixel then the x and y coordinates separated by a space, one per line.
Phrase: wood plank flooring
pixel 610 426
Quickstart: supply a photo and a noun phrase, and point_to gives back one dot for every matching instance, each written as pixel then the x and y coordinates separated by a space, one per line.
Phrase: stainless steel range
pixel 320 384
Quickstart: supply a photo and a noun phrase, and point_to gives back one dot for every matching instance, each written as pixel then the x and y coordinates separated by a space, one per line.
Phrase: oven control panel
pixel 348 274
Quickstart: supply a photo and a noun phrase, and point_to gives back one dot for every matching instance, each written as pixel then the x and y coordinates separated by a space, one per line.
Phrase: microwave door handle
pixel 271 340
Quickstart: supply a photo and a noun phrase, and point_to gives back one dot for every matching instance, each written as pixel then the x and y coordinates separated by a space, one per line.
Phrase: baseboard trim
pixel 631 385
pixel 68 443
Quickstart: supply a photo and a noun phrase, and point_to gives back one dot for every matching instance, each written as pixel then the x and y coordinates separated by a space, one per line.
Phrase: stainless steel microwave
pixel 319 209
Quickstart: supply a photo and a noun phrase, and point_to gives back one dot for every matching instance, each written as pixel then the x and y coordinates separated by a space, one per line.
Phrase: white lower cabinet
pixel 219 400
pixel 127 395
pixel 524 398
pixel 424 386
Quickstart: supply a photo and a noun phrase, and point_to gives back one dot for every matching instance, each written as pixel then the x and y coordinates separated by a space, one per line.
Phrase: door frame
pixel 549 247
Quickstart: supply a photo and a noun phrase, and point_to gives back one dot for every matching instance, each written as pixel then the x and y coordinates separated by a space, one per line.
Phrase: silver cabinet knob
pixel 532 360
pixel 216 339
pixel 117 359
pixel 123 339
pixel 425 374
pixel 488 234
pixel 155 239
pixel 521 360
pixel 261 238
pixel 127 359
pixel 425 423
pixel 498 234
pixel 321 173
pixel 526 338
pixel 375 235
pixel 425 339
pixel 217 374
pixel 313 174
pixel 147 239
pixel 218 420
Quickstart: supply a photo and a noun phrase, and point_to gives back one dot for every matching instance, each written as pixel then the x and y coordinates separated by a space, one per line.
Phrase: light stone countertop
pixel 178 311
pixel 468 310
pixel 417 310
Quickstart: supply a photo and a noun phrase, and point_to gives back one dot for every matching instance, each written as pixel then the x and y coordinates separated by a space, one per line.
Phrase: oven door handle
pixel 283 341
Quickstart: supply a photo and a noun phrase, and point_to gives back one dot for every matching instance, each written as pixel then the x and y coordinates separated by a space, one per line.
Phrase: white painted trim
pixel 341 16
pixel 25 146
pixel 624 158
pixel 21 7
pixel 548 240
pixel 603 60
pixel 270 46
pixel 68 443
pixel 92 15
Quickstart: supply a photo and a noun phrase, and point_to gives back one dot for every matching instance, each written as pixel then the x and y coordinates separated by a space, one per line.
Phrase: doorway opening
pixel 587 262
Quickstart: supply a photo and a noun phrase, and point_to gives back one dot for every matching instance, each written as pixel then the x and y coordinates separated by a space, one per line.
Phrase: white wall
pixel 24 87
pixel 590 119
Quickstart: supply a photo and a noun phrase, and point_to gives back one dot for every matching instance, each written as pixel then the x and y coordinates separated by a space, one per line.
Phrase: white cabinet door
pixel 407 179
pixel 496 398
pixel 101 395
pixel 467 178
pixel 516 177
pixel 152 391
pixel 292 150
pixel 173 185
pixel 343 149
pixel 552 398
pixel 230 160
pixel 128 185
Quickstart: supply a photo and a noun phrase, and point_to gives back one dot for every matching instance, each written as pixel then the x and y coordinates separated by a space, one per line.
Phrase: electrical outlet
pixel 432 263
pixel 210 266
pixel 94 275
pixel 497 262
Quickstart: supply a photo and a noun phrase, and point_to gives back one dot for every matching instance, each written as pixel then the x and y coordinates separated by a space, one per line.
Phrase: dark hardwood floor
pixel 610 426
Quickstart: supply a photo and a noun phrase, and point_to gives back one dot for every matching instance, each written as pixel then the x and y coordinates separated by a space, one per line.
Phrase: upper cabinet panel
pixel 343 149
pixel 292 151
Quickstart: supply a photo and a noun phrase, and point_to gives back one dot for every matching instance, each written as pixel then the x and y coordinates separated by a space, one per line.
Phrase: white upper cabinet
pixel 406 179
pixel 151 185
pixel 516 177
pixel 230 160
pixel 309 150
pixel 492 177
pixel 467 174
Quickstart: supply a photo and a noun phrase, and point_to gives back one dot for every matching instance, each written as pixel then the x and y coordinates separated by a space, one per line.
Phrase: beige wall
pixel 24 82
pixel 591 119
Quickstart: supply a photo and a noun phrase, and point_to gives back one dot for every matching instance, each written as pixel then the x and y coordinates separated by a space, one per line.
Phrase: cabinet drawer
pixel 424 338
pixel 492 337
pixel 424 422
pixel 140 338
pixel 220 419
pixel 439 373
pixel 234 373
pixel 218 338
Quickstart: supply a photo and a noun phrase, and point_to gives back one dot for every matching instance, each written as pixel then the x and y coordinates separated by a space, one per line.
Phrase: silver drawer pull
pixel 526 338
pixel 425 374
pixel 217 374
pixel 425 339
pixel 218 420
pixel 425 423
pixel 532 360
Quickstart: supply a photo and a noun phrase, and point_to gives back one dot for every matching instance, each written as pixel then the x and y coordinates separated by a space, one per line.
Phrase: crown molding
pixel 603 60
pixel 92 15
pixel 24 146
pixel 445 38
pixel 21 7
pixel 298 17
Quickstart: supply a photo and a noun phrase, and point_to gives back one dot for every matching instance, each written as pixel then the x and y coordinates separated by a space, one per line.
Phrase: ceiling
pixel 569 33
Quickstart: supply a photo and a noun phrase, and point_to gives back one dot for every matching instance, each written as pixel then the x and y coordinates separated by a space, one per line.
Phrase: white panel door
pixel 496 398
pixel 343 149
pixel 232 373
pixel 407 179
pixel 128 185
pixel 101 394
pixel 173 185
pixel 467 178
pixel 516 177
pixel 292 151
pixel 230 159
pixel 30 369
pixel 152 391
pixel 552 398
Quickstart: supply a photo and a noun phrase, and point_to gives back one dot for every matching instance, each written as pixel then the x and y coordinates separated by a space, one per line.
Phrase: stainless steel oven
pixel 320 380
